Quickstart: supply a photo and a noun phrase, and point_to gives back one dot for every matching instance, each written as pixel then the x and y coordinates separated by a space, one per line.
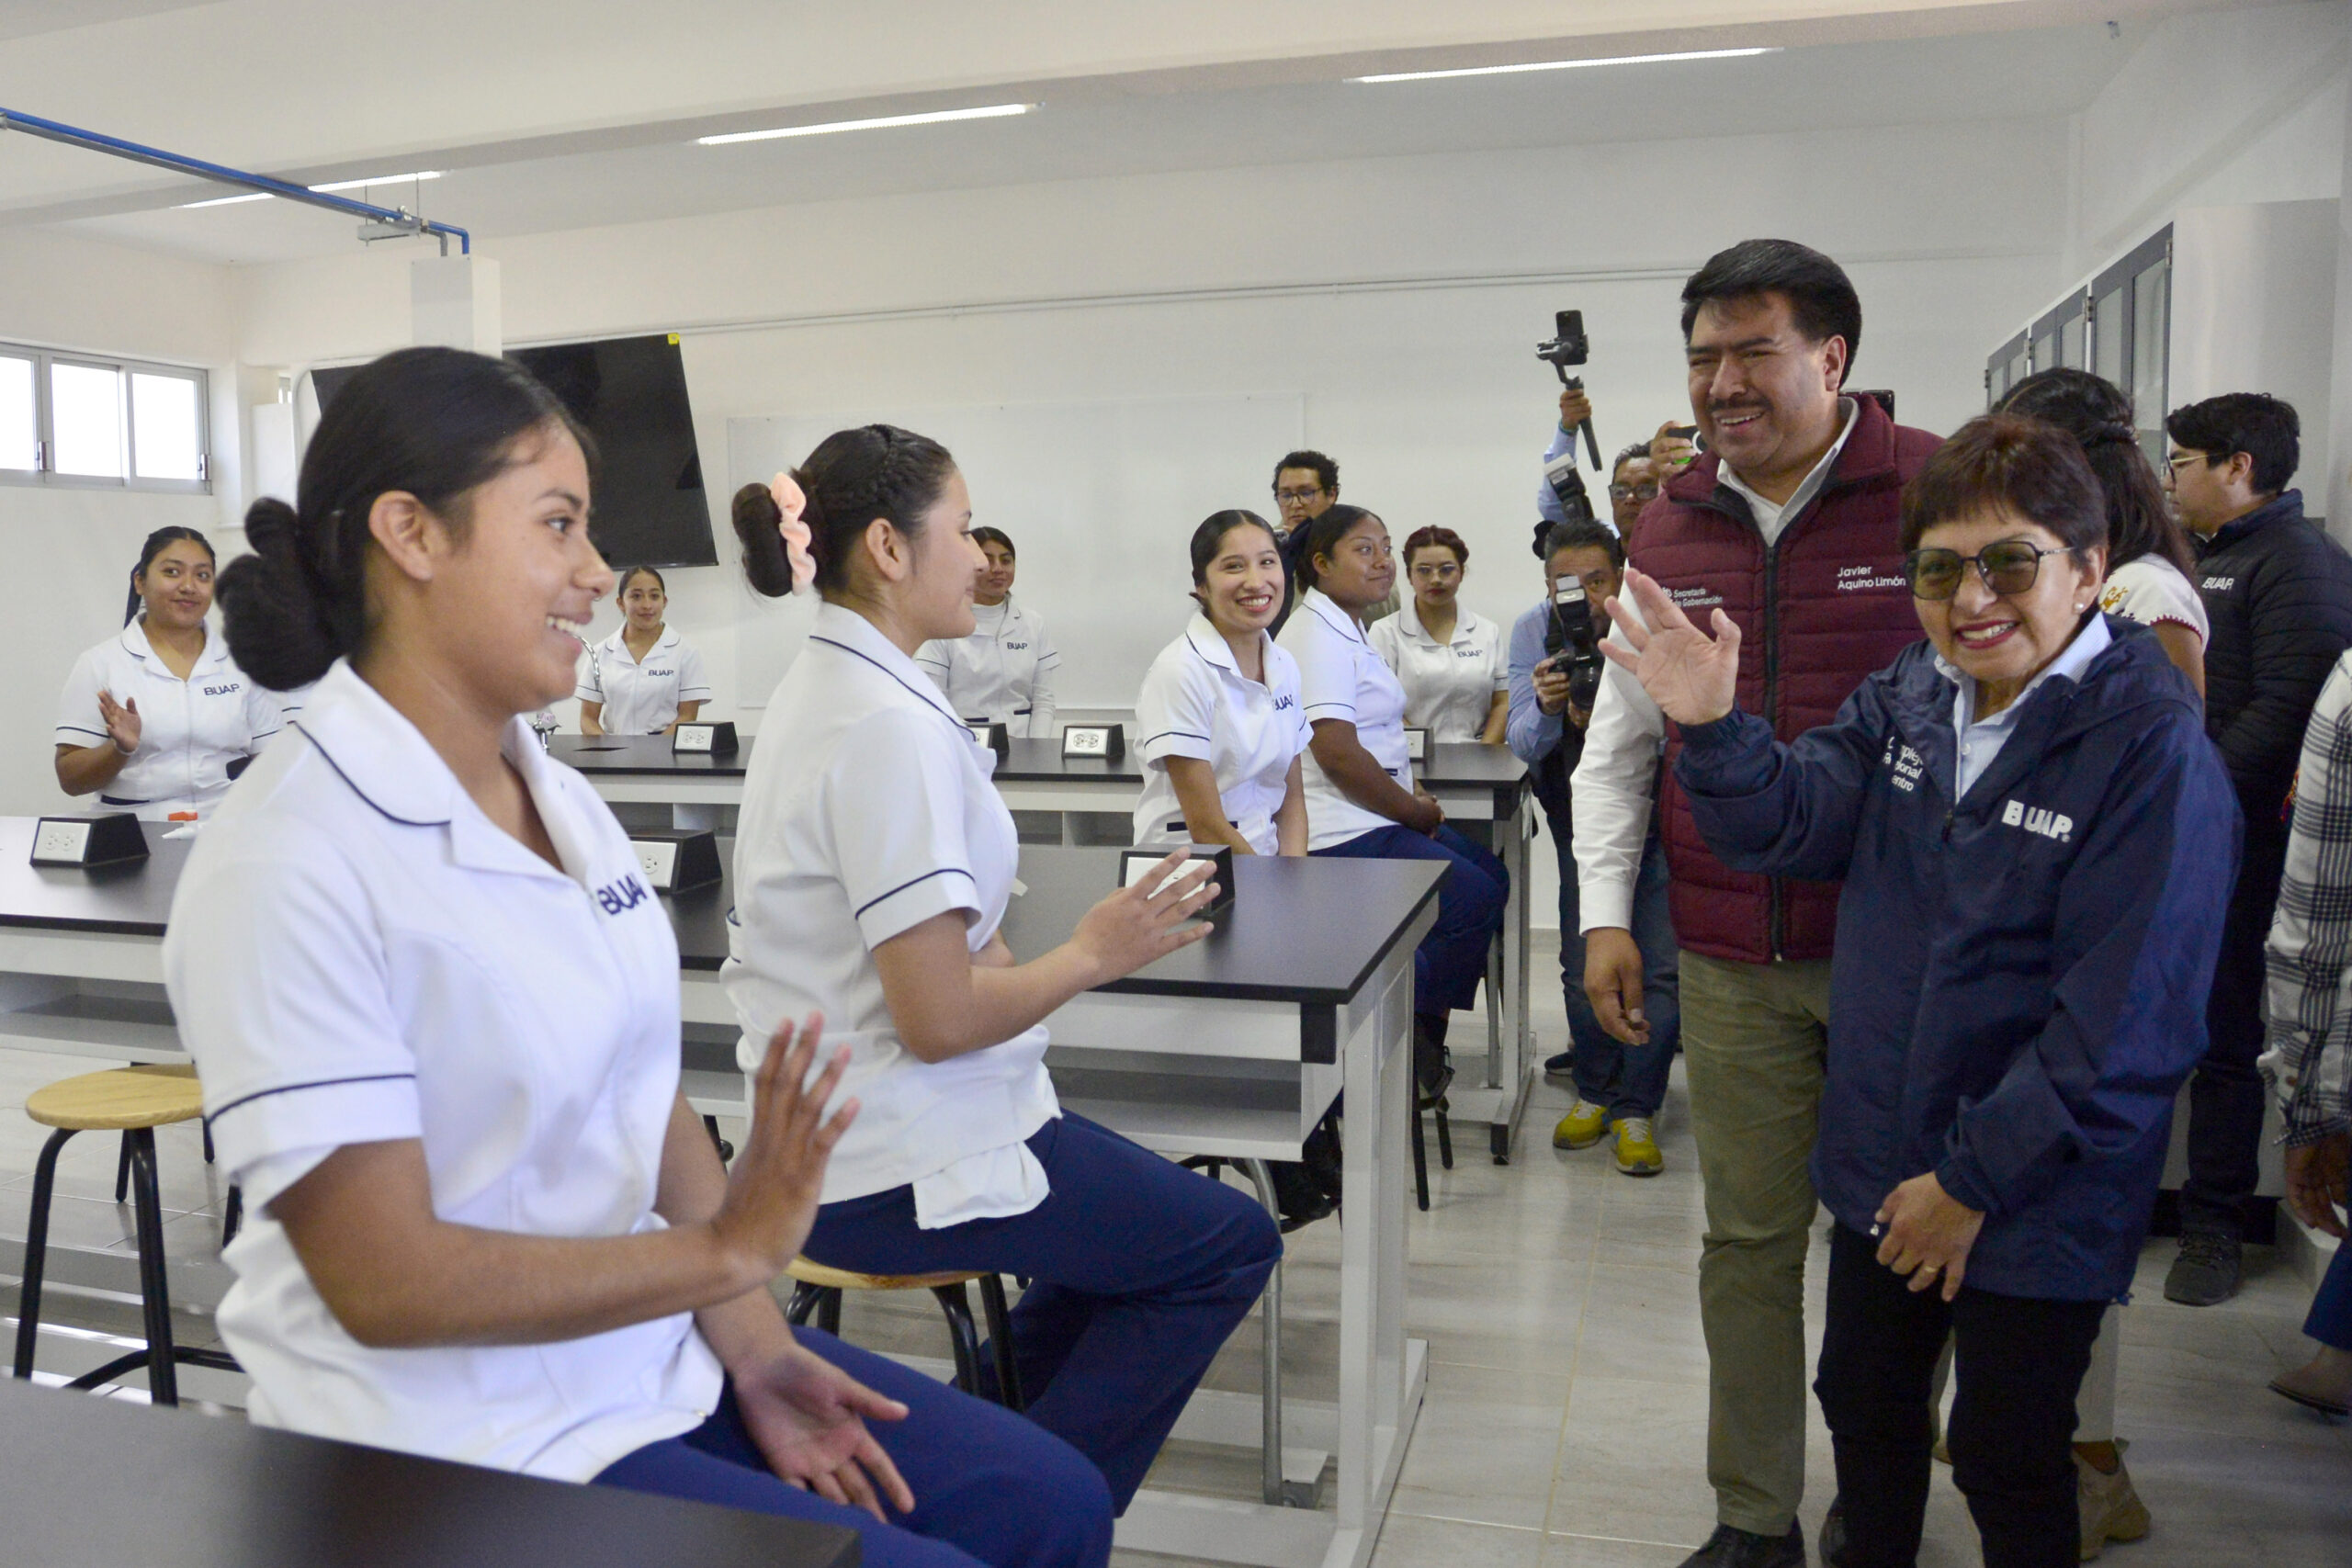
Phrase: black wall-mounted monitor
pixel 631 394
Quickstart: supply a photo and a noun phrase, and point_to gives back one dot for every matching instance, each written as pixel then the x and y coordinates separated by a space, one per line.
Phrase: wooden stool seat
pixel 133 1102
pixel 118 1099
pixel 805 1272
pixel 817 1290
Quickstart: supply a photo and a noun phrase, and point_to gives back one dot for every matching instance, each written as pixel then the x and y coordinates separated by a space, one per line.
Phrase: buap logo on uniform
pixel 1285 701
pixel 2037 820
pixel 229 689
pixel 620 897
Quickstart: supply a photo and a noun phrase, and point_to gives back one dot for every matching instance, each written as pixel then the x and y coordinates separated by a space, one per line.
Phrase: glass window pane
pixel 19 435
pixel 2107 341
pixel 86 410
pixel 2045 352
pixel 2150 328
pixel 2071 339
pixel 165 430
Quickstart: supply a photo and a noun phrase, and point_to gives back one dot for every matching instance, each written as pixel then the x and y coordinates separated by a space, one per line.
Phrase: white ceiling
pixel 599 170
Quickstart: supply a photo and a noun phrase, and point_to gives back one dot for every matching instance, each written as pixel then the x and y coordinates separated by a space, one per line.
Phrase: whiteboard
pixel 1100 500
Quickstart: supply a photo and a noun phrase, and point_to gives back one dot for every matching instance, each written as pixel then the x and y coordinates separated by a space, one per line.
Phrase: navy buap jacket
pixel 2018 985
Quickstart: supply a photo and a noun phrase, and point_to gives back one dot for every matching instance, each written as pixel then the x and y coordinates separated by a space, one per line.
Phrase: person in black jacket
pixel 2279 593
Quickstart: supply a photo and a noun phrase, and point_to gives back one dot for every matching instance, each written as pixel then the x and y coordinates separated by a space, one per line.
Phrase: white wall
pixel 71 551
pixel 1400 297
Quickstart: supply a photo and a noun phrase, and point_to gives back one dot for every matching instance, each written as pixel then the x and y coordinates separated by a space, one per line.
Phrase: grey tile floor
pixel 1566 1417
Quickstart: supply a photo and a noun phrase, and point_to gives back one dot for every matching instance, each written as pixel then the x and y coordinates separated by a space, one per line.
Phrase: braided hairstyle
pixel 433 422
pixel 853 478
pixel 2097 414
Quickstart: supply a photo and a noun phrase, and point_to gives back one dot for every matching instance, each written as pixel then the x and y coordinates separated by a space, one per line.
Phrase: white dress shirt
pixel 868 810
pixel 1341 677
pixel 356 955
pixel 189 731
pixel 1611 789
pixel 1449 686
pixel 1197 702
pixel 643 697
pixel 1003 673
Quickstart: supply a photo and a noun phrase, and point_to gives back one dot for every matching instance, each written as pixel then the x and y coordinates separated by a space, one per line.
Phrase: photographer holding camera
pixel 1555 669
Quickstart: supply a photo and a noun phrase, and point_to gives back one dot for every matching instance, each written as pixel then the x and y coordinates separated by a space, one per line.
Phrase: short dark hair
pixel 1326 472
pixel 2097 414
pixel 1585 534
pixel 853 478
pixel 1323 537
pixel 1441 538
pixel 2262 427
pixel 1821 297
pixel 1208 539
pixel 1638 449
pixel 995 536
pixel 2025 466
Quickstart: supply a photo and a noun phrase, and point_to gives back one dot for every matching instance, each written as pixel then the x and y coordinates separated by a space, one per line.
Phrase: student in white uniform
pixel 1361 799
pixel 154 718
pixel 873 868
pixel 435 1009
pixel 644 679
pixel 1004 671
pixel 1447 656
pixel 1220 717
pixel 2151 564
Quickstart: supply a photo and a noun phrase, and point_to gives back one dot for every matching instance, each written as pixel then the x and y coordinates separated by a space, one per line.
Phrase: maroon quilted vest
pixel 1817 612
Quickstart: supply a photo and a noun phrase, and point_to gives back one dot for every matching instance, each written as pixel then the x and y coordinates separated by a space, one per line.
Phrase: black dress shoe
pixel 1729 1548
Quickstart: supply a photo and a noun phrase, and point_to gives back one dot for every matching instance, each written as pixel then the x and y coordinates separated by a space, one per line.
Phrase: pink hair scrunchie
pixel 797 536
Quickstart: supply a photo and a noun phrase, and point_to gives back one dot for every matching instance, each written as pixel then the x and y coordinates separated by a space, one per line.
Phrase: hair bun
pixel 758 522
pixel 270 526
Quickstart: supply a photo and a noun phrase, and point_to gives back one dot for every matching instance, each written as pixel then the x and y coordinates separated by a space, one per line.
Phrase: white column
pixel 453 301
pixel 2333 490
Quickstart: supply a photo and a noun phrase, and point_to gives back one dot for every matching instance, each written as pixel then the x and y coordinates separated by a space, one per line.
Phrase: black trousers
pixel 2019 1362
pixel 2225 1097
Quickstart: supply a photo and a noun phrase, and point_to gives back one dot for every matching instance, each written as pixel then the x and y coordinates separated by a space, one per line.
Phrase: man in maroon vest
pixel 1789 523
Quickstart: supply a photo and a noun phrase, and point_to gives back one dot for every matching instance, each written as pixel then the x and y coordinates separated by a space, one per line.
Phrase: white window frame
pixel 45 432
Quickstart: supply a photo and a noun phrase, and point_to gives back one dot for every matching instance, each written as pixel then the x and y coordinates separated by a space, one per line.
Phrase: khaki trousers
pixel 1755 1042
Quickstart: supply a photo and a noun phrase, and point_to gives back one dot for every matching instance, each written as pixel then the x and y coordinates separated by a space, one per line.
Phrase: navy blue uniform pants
pixel 2330 1322
pixel 1451 959
pixel 989 1487
pixel 1139 1271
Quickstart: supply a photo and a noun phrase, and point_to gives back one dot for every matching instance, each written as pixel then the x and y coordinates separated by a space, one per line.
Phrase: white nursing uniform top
pixel 642 698
pixel 1003 673
pixel 1197 702
pixel 1339 676
pixel 1449 686
pixel 189 731
pixel 868 811
pixel 2151 592
pixel 356 954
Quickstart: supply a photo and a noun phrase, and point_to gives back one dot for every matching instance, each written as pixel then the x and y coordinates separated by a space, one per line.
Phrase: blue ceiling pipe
pixel 114 146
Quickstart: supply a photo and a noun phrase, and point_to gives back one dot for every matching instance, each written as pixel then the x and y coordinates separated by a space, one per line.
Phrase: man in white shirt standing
pixel 1789 524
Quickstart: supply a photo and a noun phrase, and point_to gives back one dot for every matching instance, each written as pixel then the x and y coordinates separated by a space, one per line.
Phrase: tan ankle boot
pixel 2110 1509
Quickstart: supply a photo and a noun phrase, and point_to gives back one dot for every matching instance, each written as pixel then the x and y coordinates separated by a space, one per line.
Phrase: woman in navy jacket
pixel 2037 842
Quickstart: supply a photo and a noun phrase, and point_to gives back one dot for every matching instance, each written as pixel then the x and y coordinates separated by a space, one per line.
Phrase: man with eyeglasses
pixel 1789 523
pixel 2279 592
pixel 1633 477
pixel 1307 485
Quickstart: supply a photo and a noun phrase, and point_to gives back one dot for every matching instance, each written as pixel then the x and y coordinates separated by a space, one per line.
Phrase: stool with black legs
pixel 818 1290
pixel 133 1102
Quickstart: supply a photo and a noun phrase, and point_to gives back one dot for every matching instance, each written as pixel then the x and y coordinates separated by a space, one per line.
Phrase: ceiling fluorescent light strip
pixel 1566 64
pixel 940 116
pixel 336 186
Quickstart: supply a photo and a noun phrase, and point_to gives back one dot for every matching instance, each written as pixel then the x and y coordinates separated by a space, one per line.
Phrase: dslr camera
pixel 1568 349
pixel 1572 642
